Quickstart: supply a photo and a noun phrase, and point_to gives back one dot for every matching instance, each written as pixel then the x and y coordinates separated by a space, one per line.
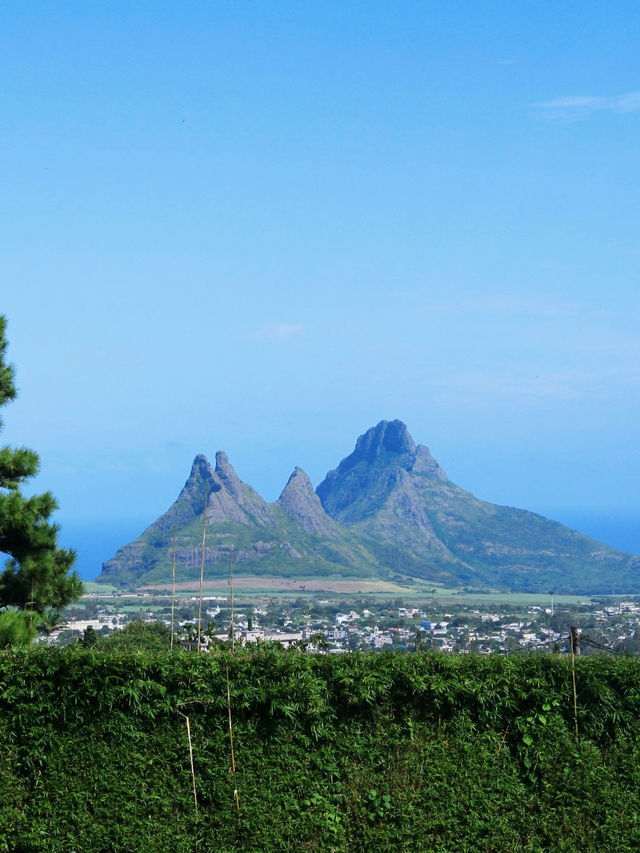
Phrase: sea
pixel 621 529
pixel 97 541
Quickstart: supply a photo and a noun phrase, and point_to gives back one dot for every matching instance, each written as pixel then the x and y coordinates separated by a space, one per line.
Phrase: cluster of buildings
pixel 315 625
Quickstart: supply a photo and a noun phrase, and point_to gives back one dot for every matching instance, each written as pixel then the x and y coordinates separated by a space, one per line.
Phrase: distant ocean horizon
pixel 97 541
pixel 618 529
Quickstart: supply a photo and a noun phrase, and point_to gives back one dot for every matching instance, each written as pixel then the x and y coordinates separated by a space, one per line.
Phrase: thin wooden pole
pixel 204 537
pixel 573 639
pixel 233 756
pixel 173 588
pixel 193 772
pixel 232 627
pixel 502 742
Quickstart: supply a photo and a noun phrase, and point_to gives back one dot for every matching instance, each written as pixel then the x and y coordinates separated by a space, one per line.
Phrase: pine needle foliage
pixel 36 575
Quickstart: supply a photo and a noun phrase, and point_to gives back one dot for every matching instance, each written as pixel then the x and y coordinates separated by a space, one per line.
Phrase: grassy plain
pixel 415 591
pixel 256 584
pixel 93 588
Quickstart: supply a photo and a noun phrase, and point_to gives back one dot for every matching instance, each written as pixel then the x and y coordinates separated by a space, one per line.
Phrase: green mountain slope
pixel 397 499
pixel 292 537
pixel 387 508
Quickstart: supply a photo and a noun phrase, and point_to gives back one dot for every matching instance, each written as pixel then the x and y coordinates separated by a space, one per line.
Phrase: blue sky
pixel 263 227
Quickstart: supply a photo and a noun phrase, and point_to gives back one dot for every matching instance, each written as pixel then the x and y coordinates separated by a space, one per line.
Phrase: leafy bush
pixel 334 753
pixel 136 637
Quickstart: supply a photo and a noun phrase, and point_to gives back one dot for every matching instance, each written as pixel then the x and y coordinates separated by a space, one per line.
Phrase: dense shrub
pixel 334 753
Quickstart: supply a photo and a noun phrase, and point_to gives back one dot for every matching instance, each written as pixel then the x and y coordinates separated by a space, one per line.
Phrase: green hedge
pixel 386 752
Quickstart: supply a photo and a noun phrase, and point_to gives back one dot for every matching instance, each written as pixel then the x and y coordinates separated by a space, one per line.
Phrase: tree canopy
pixel 136 637
pixel 36 575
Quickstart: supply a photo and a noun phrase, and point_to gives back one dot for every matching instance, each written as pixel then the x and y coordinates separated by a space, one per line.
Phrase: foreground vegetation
pixel 386 752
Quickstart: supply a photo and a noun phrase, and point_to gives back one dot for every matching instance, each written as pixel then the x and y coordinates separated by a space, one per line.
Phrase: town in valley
pixel 455 623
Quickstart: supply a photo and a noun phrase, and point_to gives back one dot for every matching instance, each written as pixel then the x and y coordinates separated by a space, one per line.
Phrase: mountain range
pixel 387 510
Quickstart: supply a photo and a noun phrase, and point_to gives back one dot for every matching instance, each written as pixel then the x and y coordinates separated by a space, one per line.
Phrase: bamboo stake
pixel 173 587
pixel 233 757
pixel 193 772
pixel 573 643
pixel 232 627
pixel 204 536
pixel 502 742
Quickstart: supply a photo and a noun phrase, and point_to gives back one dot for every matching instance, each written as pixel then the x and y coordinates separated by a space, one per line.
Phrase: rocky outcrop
pixel 235 500
pixel 361 482
pixel 301 503
pixel 294 535
pixel 387 507
pixel 391 491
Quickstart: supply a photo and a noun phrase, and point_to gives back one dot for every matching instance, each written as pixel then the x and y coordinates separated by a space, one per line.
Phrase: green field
pixel 93 588
pixel 416 591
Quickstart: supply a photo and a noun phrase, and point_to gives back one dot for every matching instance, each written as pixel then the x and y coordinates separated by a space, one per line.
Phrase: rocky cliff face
pixel 293 536
pixel 382 465
pixel 302 504
pixel 392 492
pixel 248 506
pixel 387 507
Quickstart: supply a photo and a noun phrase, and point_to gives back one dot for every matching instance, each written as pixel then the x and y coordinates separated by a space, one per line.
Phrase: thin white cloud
pixel 579 106
pixel 283 331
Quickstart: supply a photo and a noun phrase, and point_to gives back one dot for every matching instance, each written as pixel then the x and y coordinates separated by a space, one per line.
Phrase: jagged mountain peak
pixel 200 469
pixel 424 463
pixel 392 436
pixel 388 506
pixel 299 480
pixel 200 482
pixel 302 504
pixel 227 474
pixel 390 442
pixel 368 475
pixel 222 461
pixel 195 494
